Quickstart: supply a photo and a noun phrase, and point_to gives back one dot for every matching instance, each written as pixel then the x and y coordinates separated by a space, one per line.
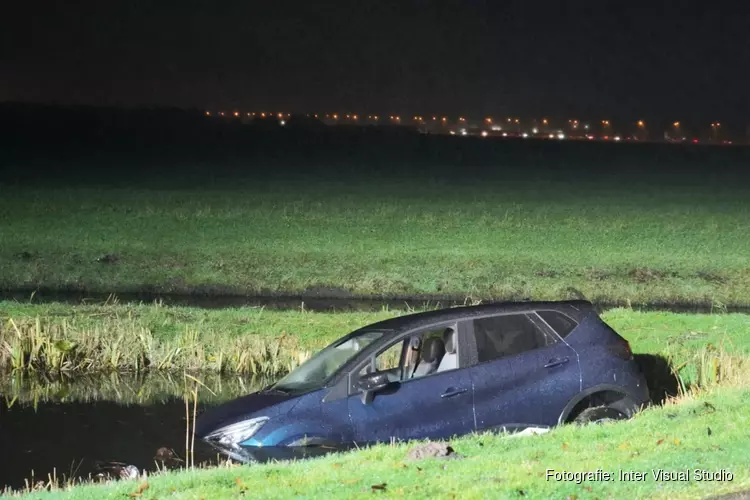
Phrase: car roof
pixel 576 309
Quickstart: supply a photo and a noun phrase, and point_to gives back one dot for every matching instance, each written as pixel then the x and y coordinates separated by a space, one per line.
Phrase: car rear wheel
pixel 599 415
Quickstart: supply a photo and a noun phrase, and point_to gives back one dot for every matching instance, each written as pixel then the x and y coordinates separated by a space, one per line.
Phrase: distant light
pixel 263 115
pixel 488 120
pixel 315 115
pixel 496 128
pixel 505 134
pixel 463 131
pixel 606 137
pixel 695 141
pixel 676 124
pixel 221 113
pixel 617 137
pixel 484 133
pixel 335 116
pixel 589 137
pixel 640 123
pixel 461 119
pixel 552 136
pixel 434 118
pixel 355 117
pixel 444 119
pixel 605 122
pixel 524 135
pixel 544 121
pixel 236 113
pixel 534 130
pixel 586 127
pixel 248 114
pixel 452 133
pixel 561 136
pixel 376 117
pixel 282 122
pixel 509 120
pixel 516 120
pixel 208 113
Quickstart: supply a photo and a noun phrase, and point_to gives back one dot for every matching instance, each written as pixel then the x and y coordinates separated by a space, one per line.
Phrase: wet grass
pixel 705 431
pixel 485 238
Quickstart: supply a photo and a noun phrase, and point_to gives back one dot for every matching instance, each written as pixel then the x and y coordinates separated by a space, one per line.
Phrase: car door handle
pixel 450 392
pixel 556 362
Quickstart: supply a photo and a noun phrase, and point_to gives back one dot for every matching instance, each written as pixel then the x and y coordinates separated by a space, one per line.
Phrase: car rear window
pixel 559 322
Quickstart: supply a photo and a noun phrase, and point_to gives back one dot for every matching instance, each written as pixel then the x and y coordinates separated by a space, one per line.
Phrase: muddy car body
pixel 494 367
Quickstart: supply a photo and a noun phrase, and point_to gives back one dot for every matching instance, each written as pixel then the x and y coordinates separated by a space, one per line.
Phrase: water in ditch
pixel 97 426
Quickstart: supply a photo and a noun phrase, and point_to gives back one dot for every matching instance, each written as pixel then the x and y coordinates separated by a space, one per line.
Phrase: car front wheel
pixel 599 415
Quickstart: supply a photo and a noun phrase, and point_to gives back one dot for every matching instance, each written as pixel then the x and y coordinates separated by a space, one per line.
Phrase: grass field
pixel 706 432
pixel 483 238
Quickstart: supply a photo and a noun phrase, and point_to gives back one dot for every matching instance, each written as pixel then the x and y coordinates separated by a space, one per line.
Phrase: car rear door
pixel 523 374
pixel 438 405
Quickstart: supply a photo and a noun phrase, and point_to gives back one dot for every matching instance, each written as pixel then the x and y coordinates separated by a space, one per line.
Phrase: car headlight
pixel 232 435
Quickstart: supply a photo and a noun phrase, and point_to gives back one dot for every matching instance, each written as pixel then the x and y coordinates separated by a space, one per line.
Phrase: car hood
pixel 241 408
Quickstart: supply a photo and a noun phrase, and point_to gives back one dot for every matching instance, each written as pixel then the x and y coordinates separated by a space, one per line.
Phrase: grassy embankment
pixel 483 238
pixel 673 437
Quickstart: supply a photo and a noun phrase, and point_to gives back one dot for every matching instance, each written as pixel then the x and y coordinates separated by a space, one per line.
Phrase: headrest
pixel 449 339
pixel 433 350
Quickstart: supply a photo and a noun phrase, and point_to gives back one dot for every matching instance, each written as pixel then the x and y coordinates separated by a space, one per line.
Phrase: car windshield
pixel 316 371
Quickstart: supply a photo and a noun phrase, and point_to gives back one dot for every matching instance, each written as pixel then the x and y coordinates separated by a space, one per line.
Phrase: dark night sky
pixel 527 58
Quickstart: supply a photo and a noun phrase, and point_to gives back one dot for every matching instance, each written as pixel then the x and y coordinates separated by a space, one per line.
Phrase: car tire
pixel 599 415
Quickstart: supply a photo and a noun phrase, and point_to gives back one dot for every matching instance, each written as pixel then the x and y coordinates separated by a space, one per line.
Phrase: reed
pixel 50 346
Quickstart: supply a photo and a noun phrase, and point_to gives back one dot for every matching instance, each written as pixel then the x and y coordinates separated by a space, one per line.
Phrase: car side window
pixel 416 356
pixel 559 322
pixel 388 361
pixel 508 335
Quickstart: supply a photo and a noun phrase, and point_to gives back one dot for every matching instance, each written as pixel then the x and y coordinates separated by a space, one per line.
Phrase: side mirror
pixel 370 384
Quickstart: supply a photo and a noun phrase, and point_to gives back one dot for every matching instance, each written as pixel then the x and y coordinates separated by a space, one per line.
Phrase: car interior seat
pixel 433 351
pixel 450 360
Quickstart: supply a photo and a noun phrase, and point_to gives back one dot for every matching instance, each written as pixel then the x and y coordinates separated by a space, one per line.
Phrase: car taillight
pixel 622 350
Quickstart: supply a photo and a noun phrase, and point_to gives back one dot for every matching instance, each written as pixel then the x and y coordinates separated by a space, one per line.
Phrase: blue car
pixel 505 367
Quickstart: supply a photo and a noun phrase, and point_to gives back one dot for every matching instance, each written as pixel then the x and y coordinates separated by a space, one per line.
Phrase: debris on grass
pixel 432 449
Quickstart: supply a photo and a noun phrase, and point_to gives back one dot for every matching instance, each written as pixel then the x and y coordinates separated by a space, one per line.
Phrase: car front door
pixel 524 373
pixel 433 405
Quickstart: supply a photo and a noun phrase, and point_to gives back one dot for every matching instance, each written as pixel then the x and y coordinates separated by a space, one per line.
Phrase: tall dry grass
pixel 45 345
